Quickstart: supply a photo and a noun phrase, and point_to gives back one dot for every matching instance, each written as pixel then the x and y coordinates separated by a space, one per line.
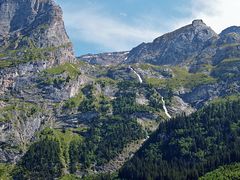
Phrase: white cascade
pixel 165 109
pixel 139 77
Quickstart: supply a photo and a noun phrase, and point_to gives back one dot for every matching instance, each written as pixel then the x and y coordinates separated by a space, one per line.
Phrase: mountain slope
pixel 32 39
pixel 224 172
pixel 34 24
pixel 105 59
pixel 178 47
pixel 188 147
pixel 91 117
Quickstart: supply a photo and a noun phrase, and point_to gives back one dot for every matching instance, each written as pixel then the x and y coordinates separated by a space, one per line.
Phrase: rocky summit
pixel 168 108
pixel 184 47
pixel 178 47
pixel 34 24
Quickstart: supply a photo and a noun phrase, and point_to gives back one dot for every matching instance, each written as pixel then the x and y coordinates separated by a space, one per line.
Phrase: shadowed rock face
pixel 177 47
pixel 232 29
pixel 34 22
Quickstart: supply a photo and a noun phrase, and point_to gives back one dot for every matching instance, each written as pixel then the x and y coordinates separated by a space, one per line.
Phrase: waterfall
pixel 165 109
pixel 141 81
pixel 139 77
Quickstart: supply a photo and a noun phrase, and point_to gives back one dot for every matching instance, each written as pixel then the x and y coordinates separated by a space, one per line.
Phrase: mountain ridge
pixel 60 117
pixel 203 39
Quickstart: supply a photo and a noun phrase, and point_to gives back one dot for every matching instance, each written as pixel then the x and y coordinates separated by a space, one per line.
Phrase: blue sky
pixel 96 26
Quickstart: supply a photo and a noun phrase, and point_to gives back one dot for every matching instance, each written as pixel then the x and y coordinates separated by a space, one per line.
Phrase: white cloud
pixel 92 25
pixel 219 14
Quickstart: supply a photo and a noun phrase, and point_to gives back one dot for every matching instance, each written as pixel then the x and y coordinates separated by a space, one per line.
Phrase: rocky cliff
pixel 105 59
pixel 178 47
pixel 181 47
pixel 97 110
pixel 34 24
pixel 32 38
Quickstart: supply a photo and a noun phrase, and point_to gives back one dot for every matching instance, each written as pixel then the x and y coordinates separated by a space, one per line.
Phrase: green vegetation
pixel 225 99
pixel 59 75
pixel 74 102
pixel 5 171
pixel 227 69
pixel 105 81
pixel 189 147
pixel 159 69
pixel 5 63
pixel 69 68
pixel 55 81
pixel 26 54
pixel 182 78
pixel 48 157
pixel 230 45
pixel 103 137
pixel 16 109
pixel 107 137
pixel 102 177
pixel 231 60
pixel 42 160
pixel 224 173
pixel 70 177
pixel 108 133
pixel 6 113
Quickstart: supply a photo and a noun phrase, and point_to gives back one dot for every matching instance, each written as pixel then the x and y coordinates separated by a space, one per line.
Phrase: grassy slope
pixel 182 78
pixel 224 173
pixel 173 146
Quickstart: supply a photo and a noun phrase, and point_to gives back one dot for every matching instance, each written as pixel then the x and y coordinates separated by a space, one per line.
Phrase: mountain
pixel 105 59
pixel 195 46
pixel 178 47
pixel 188 147
pixel 34 24
pixel 64 118
pixel 232 29
pixel 32 38
pixel 181 47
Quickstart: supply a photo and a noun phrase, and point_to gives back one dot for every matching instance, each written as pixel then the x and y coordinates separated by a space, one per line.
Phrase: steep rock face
pixel 18 134
pixel 105 59
pixel 224 48
pixel 9 76
pixel 178 47
pixel 34 24
pixel 32 38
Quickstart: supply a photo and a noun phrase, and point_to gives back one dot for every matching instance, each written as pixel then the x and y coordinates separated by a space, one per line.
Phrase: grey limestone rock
pixel 175 48
pixel 37 23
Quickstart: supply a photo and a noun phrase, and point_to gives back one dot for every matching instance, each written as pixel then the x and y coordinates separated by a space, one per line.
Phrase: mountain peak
pixel 198 22
pixel 174 48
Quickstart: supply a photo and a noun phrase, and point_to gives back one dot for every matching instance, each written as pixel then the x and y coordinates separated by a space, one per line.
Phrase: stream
pixel 164 104
pixel 165 109
pixel 139 77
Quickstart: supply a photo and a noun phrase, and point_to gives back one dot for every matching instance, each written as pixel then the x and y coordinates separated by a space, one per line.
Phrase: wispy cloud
pixel 93 25
pixel 219 14
pixel 89 22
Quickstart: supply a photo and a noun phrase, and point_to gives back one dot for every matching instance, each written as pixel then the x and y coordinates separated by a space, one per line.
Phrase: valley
pixel 167 109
